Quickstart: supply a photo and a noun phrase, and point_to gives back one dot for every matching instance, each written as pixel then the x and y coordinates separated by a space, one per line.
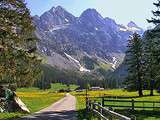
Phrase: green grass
pixel 34 99
pixel 81 105
pixel 58 86
pixel 140 114
pixel 32 89
pixel 105 66
pixel 54 87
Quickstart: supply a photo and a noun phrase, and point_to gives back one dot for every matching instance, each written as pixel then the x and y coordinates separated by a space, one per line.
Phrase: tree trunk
pixel 140 92
pixel 151 87
pixel 151 92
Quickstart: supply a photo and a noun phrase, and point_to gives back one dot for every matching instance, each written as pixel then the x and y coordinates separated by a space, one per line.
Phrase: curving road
pixel 64 109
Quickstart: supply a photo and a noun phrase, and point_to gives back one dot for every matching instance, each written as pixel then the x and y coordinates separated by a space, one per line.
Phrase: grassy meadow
pixel 140 114
pixel 34 99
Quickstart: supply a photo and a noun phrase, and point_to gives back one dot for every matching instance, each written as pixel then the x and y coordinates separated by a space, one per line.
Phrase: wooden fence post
pixel 99 110
pixel 103 101
pixel 89 105
pixel 94 107
pixel 132 104
pixel 110 116
pixel 153 105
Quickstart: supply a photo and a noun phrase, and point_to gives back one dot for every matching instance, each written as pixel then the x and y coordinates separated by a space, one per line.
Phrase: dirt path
pixel 64 109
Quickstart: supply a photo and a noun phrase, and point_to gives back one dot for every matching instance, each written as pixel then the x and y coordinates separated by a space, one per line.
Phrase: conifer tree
pixel 152 59
pixel 152 51
pixel 19 62
pixel 156 19
pixel 134 64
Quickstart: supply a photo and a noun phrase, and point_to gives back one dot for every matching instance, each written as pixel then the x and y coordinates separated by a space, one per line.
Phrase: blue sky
pixel 122 11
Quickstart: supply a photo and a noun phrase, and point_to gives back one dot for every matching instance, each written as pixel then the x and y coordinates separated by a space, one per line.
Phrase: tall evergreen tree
pixel 152 59
pixel 152 50
pixel 134 64
pixel 19 62
pixel 156 20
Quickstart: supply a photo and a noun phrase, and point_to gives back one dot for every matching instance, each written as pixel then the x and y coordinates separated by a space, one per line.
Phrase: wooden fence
pixel 104 113
pixel 130 104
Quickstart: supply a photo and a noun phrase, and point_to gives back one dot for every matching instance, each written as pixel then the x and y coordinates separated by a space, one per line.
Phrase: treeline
pixel 143 58
pixel 68 77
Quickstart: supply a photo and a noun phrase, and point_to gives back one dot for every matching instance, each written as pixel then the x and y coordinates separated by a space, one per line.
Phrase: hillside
pixel 86 43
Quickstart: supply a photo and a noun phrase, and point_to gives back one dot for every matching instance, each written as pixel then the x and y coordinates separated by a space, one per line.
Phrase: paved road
pixel 64 109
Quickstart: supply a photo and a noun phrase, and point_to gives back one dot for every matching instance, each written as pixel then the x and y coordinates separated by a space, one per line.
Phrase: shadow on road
pixel 65 115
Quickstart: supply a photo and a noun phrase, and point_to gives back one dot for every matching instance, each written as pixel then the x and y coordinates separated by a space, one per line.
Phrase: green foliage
pixel 66 77
pixel 151 51
pixel 105 66
pixel 149 67
pixel 151 58
pixel 89 63
pixel 156 19
pixel 134 64
pixel 141 114
pixel 54 87
pixel 47 77
pixel 31 89
pixel 58 86
pixel 18 62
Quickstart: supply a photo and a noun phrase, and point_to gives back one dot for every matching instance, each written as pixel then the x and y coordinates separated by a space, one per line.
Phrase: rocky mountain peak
pixel 132 24
pixel 91 13
pixel 56 17
pixel 57 9
pixel 91 19
pixel 102 39
pixel 135 28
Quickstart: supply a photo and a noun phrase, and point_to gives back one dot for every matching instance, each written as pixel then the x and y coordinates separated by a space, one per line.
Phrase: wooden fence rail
pixel 133 104
pixel 104 113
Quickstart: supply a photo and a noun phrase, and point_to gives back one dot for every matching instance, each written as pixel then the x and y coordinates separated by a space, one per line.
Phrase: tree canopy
pixel 19 62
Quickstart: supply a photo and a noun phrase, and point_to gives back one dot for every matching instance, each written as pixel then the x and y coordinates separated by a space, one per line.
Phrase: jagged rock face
pixel 88 35
pixel 91 20
pixel 56 17
pixel 100 37
pixel 132 24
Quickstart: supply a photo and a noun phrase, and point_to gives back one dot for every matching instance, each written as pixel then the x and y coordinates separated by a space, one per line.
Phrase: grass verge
pixel 81 109
pixel 35 100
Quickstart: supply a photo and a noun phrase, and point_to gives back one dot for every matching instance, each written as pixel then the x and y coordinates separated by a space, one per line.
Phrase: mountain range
pixel 85 43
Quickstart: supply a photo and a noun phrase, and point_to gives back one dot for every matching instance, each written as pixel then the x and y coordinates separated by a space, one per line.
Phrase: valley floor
pixel 36 100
